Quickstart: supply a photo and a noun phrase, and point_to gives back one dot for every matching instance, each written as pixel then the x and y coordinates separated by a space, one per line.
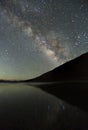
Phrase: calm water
pixel 26 107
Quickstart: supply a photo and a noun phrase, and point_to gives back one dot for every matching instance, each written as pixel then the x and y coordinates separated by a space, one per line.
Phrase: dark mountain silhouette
pixel 74 70
pixel 68 82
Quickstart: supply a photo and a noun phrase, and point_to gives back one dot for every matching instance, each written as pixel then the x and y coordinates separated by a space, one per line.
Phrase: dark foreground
pixel 75 93
pixel 23 107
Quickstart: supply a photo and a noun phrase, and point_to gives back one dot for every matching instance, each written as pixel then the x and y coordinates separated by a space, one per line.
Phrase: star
pixel 37 36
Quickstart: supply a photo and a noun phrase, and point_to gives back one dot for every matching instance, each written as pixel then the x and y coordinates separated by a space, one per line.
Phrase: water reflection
pixel 25 107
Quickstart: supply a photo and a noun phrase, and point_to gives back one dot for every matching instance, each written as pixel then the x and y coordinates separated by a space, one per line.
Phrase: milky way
pixel 37 36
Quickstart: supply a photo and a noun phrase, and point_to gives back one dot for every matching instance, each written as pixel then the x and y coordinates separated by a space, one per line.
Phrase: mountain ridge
pixel 75 69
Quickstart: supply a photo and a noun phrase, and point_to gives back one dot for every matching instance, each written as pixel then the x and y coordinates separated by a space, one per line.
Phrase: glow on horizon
pixel 39 37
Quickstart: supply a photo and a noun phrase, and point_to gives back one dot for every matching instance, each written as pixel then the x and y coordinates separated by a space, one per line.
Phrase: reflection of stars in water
pixel 49 107
pixel 63 107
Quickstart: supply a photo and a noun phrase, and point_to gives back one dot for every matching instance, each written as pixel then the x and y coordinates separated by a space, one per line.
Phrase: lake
pixel 25 107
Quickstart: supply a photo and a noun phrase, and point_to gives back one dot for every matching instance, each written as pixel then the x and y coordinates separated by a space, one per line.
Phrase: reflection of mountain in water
pixel 24 107
pixel 68 82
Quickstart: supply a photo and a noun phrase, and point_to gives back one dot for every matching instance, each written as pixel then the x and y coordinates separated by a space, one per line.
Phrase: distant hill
pixel 76 69
pixel 68 82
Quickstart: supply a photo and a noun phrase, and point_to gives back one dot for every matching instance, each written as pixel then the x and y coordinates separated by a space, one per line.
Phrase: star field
pixel 39 35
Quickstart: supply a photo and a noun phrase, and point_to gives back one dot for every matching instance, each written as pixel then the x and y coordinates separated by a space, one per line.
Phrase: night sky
pixel 39 35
